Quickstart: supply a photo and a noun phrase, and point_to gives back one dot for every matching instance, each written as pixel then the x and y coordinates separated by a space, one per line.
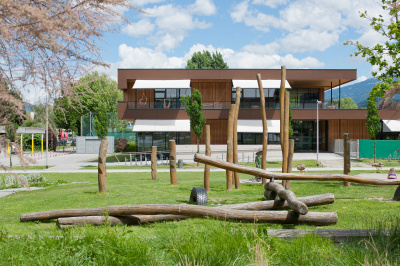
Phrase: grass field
pixel 193 241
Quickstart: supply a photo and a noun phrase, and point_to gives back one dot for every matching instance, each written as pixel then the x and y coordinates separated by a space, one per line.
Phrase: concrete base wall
pixel 91 145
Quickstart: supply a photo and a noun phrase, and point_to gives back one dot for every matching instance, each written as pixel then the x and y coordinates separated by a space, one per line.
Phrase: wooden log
pixel 271 195
pixel 116 220
pixel 346 157
pixel 208 153
pixel 283 217
pixel 290 162
pixel 287 195
pixel 229 146
pixel 265 126
pixel 102 169
pixel 282 102
pixel 172 162
pixel 235 138
pixel 154 162
pixel 285 151
pixel 290 176
pixel 315 200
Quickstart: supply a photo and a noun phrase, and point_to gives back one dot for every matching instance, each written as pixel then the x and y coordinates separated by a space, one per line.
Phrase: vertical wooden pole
pixel 346 157
pixel 285 151
pixel 265 127
pixel 235 138
pixel 282 102
pixel 208 153
pixel 102 169
pixel 290 162
pixel 172 162
pixel 154 162
pixel 229 146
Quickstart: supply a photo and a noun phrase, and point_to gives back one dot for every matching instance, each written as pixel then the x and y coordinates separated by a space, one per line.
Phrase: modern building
pixel 151 100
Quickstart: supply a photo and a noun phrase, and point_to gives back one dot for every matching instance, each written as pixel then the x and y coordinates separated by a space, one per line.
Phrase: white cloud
pixel 140 3
pixel 307 25
pixel 146 58
pixel 240 11
pixel 203 7
pixel 270 48
pixel 167 25
pixel 270 3
pixel 151 58
pixel 306 40
pixel 142 27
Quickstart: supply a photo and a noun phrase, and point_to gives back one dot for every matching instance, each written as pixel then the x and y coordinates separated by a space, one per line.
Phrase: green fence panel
pixel 384 148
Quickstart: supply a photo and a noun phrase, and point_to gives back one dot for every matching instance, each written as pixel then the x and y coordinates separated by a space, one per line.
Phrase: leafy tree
pixel 204 60
pixel 98 94
pixel 346 103
pixel 373 120
pixel 50 44
pixel 387 55
pixel 194 108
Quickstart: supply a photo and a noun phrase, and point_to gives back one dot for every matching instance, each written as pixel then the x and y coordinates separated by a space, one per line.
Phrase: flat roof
pixel 311 78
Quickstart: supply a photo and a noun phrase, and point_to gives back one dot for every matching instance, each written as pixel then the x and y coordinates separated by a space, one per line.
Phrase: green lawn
pixel 136 165
pixel 193 241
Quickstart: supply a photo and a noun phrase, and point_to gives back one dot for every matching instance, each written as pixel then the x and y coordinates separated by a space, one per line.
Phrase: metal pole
pixel 47 132
pixel 318 102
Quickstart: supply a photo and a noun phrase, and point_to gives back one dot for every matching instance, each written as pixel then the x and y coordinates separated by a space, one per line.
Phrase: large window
pixel 169 98
pixel 257 138
pixel 161 139
pixel 300 98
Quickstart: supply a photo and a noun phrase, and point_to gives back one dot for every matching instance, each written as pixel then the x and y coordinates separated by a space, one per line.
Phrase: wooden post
pixel 265 127
pixel 282 101
pixel 285 150
pixel 346 157
pixel 102 170
pixel 154 162
pixel 235 139
pixel 290 162
pixel 229 151
pixel 208 153
pixel 172 162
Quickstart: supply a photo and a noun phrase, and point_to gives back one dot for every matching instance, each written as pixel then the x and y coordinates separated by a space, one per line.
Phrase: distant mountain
pixel 358 92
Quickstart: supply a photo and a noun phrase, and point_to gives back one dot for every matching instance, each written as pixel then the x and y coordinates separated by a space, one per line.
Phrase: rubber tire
pixel 198 196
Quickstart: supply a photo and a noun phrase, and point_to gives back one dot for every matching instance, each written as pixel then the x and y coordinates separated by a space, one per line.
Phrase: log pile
pixel 270 211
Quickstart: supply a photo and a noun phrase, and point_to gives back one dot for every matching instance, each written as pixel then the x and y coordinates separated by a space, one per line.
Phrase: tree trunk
pixel 283 217
pixel 208 153
pixel 154 162
pixel 102 169
pixel 290 176
pixel 172 162
pixel 287 195
pixel 265 126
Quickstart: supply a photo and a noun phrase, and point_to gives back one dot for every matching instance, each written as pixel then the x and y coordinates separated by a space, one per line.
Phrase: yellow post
pixel 21 142
pixel 32 143
pixel 8 148
pixel 42 143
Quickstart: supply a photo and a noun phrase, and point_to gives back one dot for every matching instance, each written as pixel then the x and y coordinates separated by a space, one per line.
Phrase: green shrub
pixel 130 147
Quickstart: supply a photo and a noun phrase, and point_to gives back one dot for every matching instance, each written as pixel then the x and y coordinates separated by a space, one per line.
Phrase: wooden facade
pixel 356 128
pixel 218 132
pixel 213 90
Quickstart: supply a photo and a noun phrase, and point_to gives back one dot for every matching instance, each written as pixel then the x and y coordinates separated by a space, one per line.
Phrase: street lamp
pixel 318 103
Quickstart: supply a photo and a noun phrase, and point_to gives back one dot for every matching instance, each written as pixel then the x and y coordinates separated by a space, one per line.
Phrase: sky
pixel 299 34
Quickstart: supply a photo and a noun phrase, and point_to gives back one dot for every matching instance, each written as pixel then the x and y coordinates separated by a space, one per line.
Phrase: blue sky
pixel 248 33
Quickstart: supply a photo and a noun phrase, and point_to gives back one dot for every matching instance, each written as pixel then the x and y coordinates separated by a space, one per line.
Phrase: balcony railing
pixel 226 105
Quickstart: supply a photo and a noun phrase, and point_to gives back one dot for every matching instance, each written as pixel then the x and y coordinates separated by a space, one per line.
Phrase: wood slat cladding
pixel 356 128
pixel 217 131
pixel 213 91
pixel 131 95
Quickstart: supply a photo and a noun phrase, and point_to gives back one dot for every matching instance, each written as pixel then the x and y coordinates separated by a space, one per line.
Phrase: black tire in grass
pixel 198 195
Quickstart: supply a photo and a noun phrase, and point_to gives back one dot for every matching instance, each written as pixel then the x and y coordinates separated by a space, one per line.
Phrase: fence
pixel 337 146
pixel 385 149
pixel 91 145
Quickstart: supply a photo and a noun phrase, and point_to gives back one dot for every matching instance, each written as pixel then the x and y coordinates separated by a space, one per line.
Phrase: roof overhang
pixel 255 126
pixel 150 125
pixel 253 84
pixel 162 84
pixel 391 126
